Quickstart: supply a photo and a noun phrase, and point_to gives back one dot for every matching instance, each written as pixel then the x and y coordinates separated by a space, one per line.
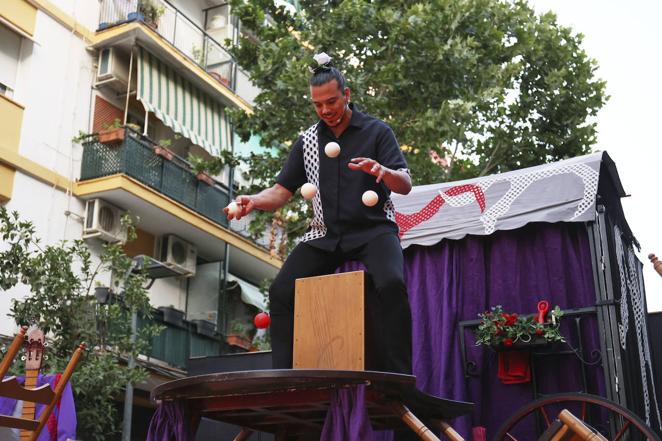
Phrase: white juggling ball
pixel 234 209
pixel 369 198
pixel 332 149
pixel 308 190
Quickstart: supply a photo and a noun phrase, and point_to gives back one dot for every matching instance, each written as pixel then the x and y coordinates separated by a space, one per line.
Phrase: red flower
pixel 540 331
pixel 507 342
pixel 498 331
pixel 510 319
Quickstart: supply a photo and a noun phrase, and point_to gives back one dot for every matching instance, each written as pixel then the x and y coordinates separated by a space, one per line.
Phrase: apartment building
pixel 160 69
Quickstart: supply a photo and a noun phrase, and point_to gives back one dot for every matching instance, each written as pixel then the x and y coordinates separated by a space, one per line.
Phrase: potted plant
pixel 102 293
pixel 112 133
pixel 238 335
pixel 162 149
pixel 152 11
pixel 203 168
pixel 172 315
pixel 505 331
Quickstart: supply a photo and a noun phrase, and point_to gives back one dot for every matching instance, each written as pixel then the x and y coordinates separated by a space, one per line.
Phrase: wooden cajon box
pixel 329 322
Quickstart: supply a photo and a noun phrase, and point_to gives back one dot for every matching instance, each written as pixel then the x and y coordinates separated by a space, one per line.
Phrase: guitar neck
pixel 28 412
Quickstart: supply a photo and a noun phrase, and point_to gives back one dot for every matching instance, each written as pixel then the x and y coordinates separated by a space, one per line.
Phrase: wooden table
pixel 290 402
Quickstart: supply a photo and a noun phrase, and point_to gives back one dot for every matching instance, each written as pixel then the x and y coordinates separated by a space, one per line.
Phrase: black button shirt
pixel 349 222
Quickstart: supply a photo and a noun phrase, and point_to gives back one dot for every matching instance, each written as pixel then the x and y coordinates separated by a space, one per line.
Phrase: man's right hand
pixel 246 205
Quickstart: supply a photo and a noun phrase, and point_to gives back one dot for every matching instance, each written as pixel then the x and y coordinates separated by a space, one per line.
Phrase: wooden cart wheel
pixel 613 421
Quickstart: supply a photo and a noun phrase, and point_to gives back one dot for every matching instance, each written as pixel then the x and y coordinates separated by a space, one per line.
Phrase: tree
pixel 61 278
pixel 470 87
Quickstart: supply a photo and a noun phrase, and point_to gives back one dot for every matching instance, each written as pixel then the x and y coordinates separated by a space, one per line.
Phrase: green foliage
pixel 489 86
pixel 116 124
pixel 499 328
pixel 61 279
pixel 214 165
pixel 151 9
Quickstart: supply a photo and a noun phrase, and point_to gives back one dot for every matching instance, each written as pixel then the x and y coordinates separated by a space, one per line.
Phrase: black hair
pixel 325 73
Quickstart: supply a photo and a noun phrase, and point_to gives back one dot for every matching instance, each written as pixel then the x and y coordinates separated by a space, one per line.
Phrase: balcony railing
pixel 179 342
pixel 178 30
pixel 135 156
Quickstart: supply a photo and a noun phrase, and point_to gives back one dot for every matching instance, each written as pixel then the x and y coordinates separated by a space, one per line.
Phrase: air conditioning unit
pixel 112 70
pixel 177 254
pixel 103 220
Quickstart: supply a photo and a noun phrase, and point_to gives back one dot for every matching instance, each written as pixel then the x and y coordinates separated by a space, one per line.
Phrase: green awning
pixel 180 105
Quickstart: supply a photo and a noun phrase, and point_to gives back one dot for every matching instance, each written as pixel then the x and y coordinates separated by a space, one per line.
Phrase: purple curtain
pixel 171 423
pixel 456 280
pixel 347 419
pixel 65 412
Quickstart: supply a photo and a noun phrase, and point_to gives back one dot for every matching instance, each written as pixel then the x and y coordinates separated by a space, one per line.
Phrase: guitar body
pixel 34 352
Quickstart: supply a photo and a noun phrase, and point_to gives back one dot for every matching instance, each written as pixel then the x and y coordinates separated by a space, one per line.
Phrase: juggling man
pixel 348 163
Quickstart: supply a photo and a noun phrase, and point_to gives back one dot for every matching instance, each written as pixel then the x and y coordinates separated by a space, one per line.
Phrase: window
pixel 10 50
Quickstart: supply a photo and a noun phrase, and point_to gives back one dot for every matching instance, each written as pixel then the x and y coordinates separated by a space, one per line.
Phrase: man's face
pixel 330 102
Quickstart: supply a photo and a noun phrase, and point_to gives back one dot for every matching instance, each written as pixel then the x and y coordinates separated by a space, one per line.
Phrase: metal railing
pixel 135 157
pixel 179 342
pixel 180 31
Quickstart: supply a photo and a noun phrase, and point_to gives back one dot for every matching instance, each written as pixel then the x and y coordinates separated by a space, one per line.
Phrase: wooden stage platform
pixel 289 402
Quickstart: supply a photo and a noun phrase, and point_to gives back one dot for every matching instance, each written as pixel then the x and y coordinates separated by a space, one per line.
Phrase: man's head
pixel 329 94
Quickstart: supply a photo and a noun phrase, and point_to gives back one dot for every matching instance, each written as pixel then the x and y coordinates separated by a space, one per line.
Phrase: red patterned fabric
pixel 408 221
pixel 52 420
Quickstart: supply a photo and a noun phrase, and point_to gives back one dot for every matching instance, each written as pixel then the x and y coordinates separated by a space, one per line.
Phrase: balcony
pixel 179 342
pixel 181 32
pixel 135 157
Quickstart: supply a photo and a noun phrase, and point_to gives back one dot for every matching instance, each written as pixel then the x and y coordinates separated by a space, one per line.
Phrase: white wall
pixel 85 12
pixel 169 292
pixel 54 84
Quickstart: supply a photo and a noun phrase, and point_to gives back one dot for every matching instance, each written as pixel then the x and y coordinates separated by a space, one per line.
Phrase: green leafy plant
pixel 198 55
pixel 61 278
pixel 202 165
pixel 498 328
pixel 81 137
pixel 238 327
pixel 214 165
pixel 151 9
pixel 116 124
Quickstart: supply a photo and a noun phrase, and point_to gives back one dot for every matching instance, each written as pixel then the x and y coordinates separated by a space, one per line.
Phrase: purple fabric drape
pixel 456 280
pixel 170 423
pixel 347 419
pixel 65 413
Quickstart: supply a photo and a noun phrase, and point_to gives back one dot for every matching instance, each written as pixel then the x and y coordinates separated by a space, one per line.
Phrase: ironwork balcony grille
pixel 135 157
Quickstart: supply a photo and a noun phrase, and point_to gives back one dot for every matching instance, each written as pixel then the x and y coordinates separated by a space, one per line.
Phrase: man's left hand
pixel 369 166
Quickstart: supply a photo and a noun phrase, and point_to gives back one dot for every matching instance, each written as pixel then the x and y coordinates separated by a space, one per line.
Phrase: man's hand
pixel 369 166
pixel 268 199
pixel 397 181
pixel 245 204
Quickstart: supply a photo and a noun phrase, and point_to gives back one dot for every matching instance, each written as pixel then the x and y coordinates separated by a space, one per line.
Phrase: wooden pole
pixel 243 435
pixel 578 427
pixel 450 433
pixel 656 263
pixel 16 344
pixel 413 423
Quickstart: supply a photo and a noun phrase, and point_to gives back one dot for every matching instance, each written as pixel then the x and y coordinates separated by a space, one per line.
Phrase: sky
pixel 625 38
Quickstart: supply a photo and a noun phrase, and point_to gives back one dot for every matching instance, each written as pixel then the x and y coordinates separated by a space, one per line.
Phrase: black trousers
pixel 389 316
